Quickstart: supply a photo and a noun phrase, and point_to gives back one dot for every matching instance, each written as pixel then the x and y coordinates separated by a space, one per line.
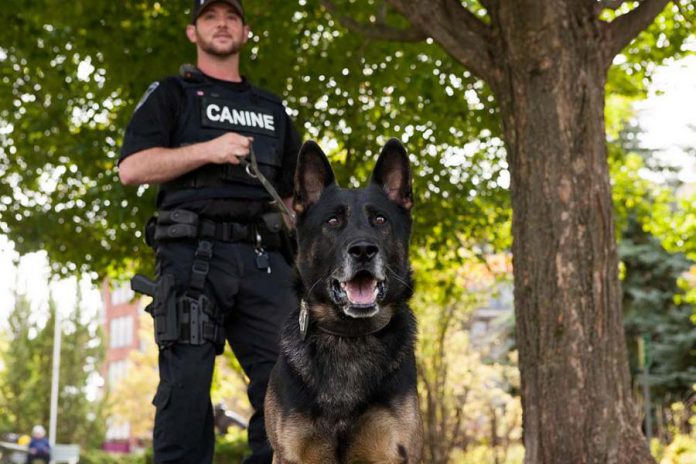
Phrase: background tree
pixel 650 287
pixel 130 399
pixel 21 408
pixel 81 414
pixel 5 418
pixel 656 310
pixel 445 392
pixel 26 380
pixel 468 398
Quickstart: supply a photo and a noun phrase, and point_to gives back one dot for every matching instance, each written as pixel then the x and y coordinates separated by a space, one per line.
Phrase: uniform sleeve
pixel 291 148
pixel 154 119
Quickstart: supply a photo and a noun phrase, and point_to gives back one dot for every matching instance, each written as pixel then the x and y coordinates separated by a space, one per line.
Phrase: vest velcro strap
pixel 226 231
pixel 200 267
pixel 175 231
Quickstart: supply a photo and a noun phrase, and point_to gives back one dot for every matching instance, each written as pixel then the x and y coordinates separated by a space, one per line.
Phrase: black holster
pixel 164 312
pixel 200 322
pixel 185 319
pixel 150 232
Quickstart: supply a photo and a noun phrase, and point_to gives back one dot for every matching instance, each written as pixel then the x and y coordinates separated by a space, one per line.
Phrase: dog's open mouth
pixel 362 291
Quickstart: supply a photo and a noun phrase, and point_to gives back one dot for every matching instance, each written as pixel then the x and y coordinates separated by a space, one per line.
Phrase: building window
pixel 121 332
pixel 117 371
pixel 122 294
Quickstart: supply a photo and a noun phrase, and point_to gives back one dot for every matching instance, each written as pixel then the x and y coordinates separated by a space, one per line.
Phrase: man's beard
pixel 221 51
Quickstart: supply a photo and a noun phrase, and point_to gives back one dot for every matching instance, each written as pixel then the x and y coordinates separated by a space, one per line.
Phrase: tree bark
pixel 574 370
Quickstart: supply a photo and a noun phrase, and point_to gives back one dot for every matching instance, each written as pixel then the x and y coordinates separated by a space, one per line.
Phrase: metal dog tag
pixel 304 319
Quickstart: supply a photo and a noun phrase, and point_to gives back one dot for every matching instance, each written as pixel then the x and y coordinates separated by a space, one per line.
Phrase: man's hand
pixel 229 148
pixel 157 165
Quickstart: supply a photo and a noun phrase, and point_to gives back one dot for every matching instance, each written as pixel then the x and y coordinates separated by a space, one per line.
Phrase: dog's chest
pixel 344 372
pixel 345 376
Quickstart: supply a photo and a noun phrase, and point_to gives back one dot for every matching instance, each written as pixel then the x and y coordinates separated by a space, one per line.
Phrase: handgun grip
pixel 141 284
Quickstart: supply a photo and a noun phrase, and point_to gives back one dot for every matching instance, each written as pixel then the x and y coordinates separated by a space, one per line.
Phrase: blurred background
pixel 70 234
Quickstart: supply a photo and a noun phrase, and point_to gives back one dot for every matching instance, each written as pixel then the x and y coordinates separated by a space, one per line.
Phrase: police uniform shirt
pixel 175 112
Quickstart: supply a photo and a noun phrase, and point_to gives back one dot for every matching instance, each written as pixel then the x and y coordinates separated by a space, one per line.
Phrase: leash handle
pixel 253 170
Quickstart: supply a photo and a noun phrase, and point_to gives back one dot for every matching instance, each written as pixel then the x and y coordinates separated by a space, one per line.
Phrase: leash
pixel 252 169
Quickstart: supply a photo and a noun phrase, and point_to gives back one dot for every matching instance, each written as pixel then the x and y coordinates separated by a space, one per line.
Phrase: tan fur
pixel 322 313
pixel 299 443
pixel 293 437
pixel 271 414
pixel 380 433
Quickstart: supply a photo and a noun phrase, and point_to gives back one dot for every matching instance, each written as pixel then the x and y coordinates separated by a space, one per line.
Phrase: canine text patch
pixel 228 115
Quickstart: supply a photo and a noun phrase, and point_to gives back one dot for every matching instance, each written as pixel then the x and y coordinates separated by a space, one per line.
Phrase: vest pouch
pixel 268 160
pixel 267 151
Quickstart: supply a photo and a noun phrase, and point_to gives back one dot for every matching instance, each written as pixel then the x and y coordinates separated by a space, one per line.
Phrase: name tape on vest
pixel 228 115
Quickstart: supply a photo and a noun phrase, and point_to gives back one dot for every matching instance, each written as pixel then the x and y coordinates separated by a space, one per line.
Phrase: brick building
pixel 121 314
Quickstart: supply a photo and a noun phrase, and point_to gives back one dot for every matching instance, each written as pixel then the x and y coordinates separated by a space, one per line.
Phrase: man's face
pixel 219 31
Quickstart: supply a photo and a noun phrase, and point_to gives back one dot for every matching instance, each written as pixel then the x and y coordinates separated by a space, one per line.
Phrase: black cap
pixel 200 5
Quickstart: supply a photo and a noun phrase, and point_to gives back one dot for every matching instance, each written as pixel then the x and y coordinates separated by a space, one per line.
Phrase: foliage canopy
pixel 72 73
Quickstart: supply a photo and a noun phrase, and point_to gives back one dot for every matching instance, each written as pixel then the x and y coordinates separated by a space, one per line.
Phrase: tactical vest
pixel 211 109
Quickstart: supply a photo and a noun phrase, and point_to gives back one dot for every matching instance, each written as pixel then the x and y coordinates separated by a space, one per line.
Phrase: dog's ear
pixel 312 176
pixel 393 174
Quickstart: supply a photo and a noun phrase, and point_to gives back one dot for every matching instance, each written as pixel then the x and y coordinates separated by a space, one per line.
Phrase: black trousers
pixel 255 305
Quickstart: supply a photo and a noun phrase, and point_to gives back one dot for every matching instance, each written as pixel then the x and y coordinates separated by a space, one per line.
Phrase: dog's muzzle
pixel 359 285
pixel 360 295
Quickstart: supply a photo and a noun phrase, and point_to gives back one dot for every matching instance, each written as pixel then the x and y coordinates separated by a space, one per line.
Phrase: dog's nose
pixel 363 251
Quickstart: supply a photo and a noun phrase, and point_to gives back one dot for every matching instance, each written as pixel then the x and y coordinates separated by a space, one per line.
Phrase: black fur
pixel 330 378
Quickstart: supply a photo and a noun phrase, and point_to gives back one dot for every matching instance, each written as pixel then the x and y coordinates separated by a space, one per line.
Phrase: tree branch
pixel 467 17
pixel 457 30
pixel 622 30
pixel 610 4
pixel 382 13
pixel 489 5
pixel 378 30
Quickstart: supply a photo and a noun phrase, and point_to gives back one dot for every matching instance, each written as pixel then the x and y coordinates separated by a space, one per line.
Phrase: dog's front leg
pixel 297 441
pixel 392 435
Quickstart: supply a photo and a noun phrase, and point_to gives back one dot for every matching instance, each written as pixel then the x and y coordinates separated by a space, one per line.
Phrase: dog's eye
pixel 333 222
pixel 380 220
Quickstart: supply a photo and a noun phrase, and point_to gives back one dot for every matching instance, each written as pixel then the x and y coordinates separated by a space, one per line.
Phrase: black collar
pixel 355 328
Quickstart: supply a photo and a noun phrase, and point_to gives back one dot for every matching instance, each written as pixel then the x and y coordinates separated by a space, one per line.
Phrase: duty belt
pixel 182 224
pixel 223 231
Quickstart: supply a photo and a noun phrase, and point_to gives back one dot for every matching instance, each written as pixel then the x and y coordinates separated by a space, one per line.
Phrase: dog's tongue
pixel 361 291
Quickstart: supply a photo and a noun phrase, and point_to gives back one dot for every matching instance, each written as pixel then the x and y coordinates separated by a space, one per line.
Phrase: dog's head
pixel 353 244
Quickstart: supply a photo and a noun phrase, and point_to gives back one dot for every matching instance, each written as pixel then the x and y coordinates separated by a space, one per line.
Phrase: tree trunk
pixel 574 370
pixel 547 62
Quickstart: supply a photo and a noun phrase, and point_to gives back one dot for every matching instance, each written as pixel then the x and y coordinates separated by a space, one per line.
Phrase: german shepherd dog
pixel 344 388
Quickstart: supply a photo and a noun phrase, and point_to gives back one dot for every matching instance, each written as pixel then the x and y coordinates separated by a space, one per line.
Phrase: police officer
pixel 222 274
